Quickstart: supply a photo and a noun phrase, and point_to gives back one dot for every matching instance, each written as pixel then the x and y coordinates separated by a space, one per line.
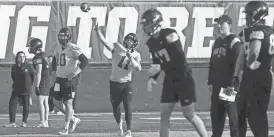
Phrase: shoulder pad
pixel 74 47
pixel 234 41
pixel 37 61
pixel 172 37
pixel 258 34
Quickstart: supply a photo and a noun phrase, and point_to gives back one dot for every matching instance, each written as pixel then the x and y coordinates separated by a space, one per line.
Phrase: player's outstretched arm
pixel 108 45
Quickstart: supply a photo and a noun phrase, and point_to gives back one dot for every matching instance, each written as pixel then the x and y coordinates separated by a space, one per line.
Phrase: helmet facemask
pixel 151 21
pixel 150 27
pixel 255 11
pixel 63 39
pixel 35 45
pixel 31 50
pixel 130 41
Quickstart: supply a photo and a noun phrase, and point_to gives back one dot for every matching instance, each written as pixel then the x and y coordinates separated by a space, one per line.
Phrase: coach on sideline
pixel 22 74
pixel 222 63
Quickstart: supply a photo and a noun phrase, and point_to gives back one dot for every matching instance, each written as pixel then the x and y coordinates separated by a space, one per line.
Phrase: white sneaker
pixel 128 134
pixel 63 132
pixel 59 113
pixel 51 112
pixel 120 129
pixel 11 125
pixel 24 124
pixel 46 123
pixel 41 124
pixel 75 122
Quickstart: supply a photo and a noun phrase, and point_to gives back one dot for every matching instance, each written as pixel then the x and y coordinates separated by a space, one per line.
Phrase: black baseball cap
pixel 223 18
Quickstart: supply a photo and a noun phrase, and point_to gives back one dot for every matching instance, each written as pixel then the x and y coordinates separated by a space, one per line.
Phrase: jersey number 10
pixel 61 59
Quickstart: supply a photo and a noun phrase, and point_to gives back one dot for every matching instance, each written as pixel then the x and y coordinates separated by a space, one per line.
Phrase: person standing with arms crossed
pixel 22 74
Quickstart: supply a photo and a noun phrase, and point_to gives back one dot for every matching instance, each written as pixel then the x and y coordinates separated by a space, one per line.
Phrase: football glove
pixel 37 91
pixel 154 69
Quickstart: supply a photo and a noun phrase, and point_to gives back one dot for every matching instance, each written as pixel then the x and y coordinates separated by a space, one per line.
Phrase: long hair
pixel 16 57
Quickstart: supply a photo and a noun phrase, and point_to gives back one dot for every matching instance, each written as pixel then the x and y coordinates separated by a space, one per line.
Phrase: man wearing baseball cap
pixel 224 54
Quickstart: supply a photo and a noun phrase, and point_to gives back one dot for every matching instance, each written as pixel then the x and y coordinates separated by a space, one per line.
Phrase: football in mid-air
pixel 84 7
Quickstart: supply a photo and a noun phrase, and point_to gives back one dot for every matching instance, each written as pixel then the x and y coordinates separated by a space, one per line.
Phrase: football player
pixel 167 55
pixel 66 71
pixel 224 54
pixel 124 59
pixel 42 79
pixel 255 61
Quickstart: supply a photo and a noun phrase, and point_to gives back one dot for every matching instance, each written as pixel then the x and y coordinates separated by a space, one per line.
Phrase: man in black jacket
pixel 22 75
pixel 222 63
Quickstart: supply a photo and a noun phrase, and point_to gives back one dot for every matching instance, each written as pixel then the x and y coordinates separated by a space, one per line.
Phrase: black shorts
pixel 67 88
pixel 179 89
pixel 45 85
pixel 120 92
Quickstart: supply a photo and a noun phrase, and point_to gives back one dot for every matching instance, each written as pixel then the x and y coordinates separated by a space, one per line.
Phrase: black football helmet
pixel 64 36
pixel 130 41
pixel 255 12
pixel 151 21
pixel 35 45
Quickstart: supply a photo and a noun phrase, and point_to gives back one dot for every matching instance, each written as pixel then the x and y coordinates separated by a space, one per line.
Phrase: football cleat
pixel 128 134
pixel 51 112
pixel 11 125
pixel 24 124
pixel 41 124
pixel 63 132
pixel 75 122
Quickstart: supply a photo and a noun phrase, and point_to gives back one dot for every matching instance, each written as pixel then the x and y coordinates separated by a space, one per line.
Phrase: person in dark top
pixel 42 79
pixel 167 54
pixel 255 61
pixel 22 74
pixel 221 70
